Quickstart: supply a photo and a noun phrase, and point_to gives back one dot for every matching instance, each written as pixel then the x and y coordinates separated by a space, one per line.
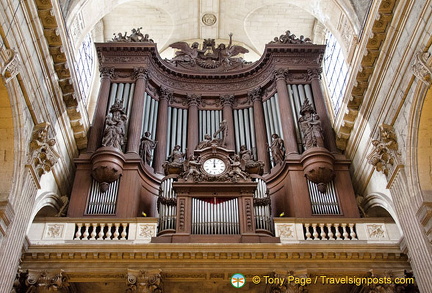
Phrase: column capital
pixel 314 73
pixel 280 73
pixel 140 73
pixel 107 72
pixel 165 93
pixel 420 67
pixel 255 94
pixel 193 99
pixel 227 100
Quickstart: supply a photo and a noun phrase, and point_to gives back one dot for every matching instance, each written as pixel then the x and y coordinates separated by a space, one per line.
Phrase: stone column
pixel 321 109
pixel 260 128
pixel 161 133
pixel 227 102
pixel 137 113
pixel 101 109
pixel 192 139
pixel 287 118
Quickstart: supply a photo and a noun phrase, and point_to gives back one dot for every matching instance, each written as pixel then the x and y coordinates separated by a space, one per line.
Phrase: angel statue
pixel 186 53
pixel 225 53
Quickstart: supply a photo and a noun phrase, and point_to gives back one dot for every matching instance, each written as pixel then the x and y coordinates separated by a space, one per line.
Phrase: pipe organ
pixel 214 148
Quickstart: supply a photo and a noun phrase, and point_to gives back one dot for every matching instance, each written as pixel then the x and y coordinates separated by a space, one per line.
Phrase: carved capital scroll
pixel 9 64
pixel 420 68
pixel 255 94
pixel 280 73
pixel 227 100
pixel 144 281
pixel 140 73
pixel 314 73
pixel 165 93
pixel 34 280
pixel 42 155
pixel 385 156
pixel 193 100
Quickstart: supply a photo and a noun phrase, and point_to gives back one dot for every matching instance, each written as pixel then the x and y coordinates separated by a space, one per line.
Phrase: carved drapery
pixel 421 69
pixel 385 156
pixel 42 155
pixel 310 126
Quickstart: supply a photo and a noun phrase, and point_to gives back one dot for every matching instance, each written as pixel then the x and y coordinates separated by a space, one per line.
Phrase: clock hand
pixel 214 163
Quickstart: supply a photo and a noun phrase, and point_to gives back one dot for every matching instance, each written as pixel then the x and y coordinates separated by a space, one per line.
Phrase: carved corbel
pixel 385 156
pixel 42 155
pixel 9 64
pixel 421 69
pixel 288 283
pixel 37 281
pixel 144 281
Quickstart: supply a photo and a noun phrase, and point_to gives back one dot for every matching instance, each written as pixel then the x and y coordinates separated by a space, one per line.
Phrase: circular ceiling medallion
pixel 209 19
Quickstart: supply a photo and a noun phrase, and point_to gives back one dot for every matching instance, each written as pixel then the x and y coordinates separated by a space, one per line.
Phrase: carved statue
pixel 236 171
pixel 310 126
pixel 174 164
pixel 223 128
pixel 135 36
pixel 146 147
pixel 204 143
pixel 186 53
pixel 289 38
pixel 210 56
pixel 278 149
pixel 191 167
pixel 248 163
pixel 115 126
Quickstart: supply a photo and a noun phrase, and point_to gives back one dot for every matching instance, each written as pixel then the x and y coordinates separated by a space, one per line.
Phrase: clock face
pixel 214 166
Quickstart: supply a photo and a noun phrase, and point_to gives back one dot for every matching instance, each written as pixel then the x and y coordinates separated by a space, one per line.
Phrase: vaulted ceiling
pixel 253 22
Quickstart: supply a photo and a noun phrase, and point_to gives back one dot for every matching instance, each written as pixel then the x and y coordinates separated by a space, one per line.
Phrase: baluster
pixel 116 232
pixel 352 234
pixel 123 233
pixel 323 233
pixel 330 232
pixel 307 234
pixel 78 233
pixel 108 233
pixel 93 232
pixel 101 232
pixel 338 234
pixel 315 232
pixel 86 231
pixel 345 232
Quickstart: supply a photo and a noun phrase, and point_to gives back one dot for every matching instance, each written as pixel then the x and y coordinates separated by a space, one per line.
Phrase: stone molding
pixel 6 216
pixel 377 37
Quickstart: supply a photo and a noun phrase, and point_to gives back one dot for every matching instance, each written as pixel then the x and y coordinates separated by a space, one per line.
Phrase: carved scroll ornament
pixel 144 282
pixel 384 156
pixel 42 156
pixel 9 64
pixel 421 69
pixel 289 38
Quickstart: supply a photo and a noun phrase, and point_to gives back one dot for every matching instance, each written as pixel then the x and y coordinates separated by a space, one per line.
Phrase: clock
pixel 214 166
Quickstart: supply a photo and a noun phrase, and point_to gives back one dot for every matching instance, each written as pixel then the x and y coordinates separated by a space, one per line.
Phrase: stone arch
pixel 377 204
pixel 47 204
